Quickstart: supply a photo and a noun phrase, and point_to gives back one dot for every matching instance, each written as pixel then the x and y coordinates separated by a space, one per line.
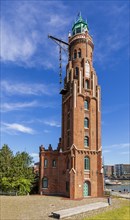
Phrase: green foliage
pixel 6 184
pixel 15 171
pixel 122 213
pixel 24 186
pixel 6 160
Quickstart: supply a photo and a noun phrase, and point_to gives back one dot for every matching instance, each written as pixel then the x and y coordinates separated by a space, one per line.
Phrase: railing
pixel 13 193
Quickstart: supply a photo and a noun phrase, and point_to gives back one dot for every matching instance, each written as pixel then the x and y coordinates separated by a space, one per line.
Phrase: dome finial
pixel 79 15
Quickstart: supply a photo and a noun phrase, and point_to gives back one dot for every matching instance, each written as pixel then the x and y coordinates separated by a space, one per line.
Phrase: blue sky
pixel 30 100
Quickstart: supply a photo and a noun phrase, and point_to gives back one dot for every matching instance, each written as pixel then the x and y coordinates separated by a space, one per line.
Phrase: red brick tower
pixel 79 155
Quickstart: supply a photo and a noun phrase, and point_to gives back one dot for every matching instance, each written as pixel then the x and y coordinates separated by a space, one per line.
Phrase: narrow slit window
pixel 86 105
pixel 86 122
pixel 54 163
pixel 45 162
pixel 76 71
pixel 86 141
pixel 86 163
pixel 79 53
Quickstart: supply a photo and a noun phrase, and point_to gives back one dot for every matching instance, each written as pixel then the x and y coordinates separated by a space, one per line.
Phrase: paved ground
pixel 39 207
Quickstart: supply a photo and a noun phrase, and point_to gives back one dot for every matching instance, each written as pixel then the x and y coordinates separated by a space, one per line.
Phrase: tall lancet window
pixel 75 54
pixel 76 71
pixel 79 53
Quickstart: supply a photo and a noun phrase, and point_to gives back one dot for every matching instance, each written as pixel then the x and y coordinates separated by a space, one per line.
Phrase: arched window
pixel 79 53
pixel 76 71
pixel 45 162
pixel 75 54
pixel 78 30
pixel 86 84
pixel 86 163
pixel 86 141
pixel 54 163
pixel 86 105
pixel 44 182
pixel 86 122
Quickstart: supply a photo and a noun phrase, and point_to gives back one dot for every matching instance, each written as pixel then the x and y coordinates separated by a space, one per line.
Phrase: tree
pixel 23 172
pixel 6 161
pixel 15 171
pixel 6 158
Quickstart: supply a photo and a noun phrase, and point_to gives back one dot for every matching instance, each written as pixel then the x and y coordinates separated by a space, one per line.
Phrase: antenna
pixel 60 67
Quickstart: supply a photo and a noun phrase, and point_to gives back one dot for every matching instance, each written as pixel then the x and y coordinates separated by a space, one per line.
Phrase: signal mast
pixel 60 43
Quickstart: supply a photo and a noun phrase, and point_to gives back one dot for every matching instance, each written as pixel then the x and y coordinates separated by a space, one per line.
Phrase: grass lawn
pixel 122 213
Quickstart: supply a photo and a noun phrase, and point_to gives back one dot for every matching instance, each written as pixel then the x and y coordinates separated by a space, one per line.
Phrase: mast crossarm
pixel 56 39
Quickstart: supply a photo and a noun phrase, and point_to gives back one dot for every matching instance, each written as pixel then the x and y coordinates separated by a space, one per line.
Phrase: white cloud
pixel 115 36
pixel 25 26
pixel 52 123
pixel 122 145
pixel 8 106
pixel 106 151
pixel 24 31
pixel 58 20
pixel 46 131
pixel 125 152
pixel 36 155
pixel 125 145
pixel 5 107
pixel 119 145
pixel 13 46
pixel 14 127
pixel 13 88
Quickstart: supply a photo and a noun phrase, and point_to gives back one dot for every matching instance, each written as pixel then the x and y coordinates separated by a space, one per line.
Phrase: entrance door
pixel 86 190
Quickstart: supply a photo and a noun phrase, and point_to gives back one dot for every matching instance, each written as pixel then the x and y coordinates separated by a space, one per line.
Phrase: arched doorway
pixel 86 189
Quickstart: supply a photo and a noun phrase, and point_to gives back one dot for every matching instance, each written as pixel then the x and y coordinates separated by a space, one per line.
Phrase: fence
pixel 13 193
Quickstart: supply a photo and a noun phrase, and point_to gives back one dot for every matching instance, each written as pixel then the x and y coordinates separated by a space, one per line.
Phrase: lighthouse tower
pixel 78 169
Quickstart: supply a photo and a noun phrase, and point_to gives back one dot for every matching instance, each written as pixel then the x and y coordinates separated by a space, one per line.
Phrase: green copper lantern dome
pixel 79 26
